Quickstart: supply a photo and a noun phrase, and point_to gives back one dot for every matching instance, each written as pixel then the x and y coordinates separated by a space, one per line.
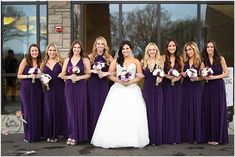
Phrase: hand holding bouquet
pixel 159 73
pixel 205 72
pixel 34 72
pixel 175 73
pixel 98 65
pixel 96 69
pixel 74 70
pixel 124 75
pixel 45 78
pixel 192 74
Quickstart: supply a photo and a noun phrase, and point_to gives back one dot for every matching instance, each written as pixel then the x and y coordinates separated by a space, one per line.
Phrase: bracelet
pixel 27 76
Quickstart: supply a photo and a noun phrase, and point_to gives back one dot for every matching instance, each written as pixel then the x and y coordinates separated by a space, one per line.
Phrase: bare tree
pixel 114 21
pixel 140 27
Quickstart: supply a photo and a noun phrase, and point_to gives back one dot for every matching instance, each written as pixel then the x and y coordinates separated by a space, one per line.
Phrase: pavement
pixel 13 145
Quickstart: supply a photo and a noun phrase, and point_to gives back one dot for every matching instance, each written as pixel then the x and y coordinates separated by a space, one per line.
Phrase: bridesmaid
pixel 191 127
pixel 31 94
pixel 75 71
pixel 152 93
pixel 98 85
pixel 171 94
pixel 214 97
pixel 54 99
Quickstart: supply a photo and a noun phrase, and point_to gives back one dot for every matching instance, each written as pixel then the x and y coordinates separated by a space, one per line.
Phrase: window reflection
pixel 43 27
pixel 218 25
pixel 19 27
pixel 19 30
pixel 114 24
pixel 77 22
pixel 140 25
pixel 178 21
pixel 100 20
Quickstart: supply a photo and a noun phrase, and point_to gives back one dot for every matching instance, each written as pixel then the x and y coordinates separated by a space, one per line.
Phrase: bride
pixel 123 119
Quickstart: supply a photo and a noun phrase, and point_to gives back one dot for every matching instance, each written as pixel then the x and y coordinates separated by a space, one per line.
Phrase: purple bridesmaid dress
pixel 31 96
pixel 172 96
pixel 54 104
pixel 98 89
pixel 215 125
pixel 191 125
pixel 76 102
pixel 153 97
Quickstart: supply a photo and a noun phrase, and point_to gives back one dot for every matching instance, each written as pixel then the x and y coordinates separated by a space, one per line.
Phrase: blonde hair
pixel 197 58
pixel 158 60
pixel 46 57
pixel 94 53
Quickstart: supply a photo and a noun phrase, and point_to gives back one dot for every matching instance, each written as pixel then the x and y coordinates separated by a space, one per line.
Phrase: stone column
pixel 59 15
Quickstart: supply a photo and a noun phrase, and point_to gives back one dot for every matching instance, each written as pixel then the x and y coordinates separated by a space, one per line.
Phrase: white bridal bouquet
pixel 45 78
pixel 124 75
pixel 175 73
pixel 34 71
pixel 159 73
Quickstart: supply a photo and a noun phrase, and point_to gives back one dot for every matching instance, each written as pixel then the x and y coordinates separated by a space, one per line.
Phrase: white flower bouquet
pixel 191 73
pixel 45 78
pixel 73 70
pixel 206 72
pixel 34 71
pixel 175 73
pixel 98 65
pixel 159 73
pixel 124 75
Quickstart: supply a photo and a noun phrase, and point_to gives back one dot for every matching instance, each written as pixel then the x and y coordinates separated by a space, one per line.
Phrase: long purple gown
pixel 98 89
pixel 76 102
pixel 54 104
pixel 215 126
pixel 172 96
pixel 191 125
pixel 31 96
pixel 153 97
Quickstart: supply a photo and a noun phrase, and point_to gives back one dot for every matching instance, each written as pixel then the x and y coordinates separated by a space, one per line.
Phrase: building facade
pixel 141 22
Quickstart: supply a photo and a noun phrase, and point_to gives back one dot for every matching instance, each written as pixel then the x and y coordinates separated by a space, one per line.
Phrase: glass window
pixel 218 25
pixel 77 22
pixel 100 20
pixel 43 27
pixel 114 24
pixel 178 21
pixel 19 30
pixel 139 22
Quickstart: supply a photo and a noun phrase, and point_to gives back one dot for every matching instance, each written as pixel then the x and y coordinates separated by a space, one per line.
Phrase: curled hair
pixel 177 56
pixel 197 59
pixel 120 59
pixel 216 57
pixel 29 59
pixel 71 49
pixel 158 61
pixel 94 53
pixel 46 57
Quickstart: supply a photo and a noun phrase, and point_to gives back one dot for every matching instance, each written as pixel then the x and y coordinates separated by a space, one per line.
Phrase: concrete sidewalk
pixel 13 145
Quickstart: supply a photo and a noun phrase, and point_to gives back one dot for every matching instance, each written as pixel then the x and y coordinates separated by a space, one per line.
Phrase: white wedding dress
pixel 123 119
